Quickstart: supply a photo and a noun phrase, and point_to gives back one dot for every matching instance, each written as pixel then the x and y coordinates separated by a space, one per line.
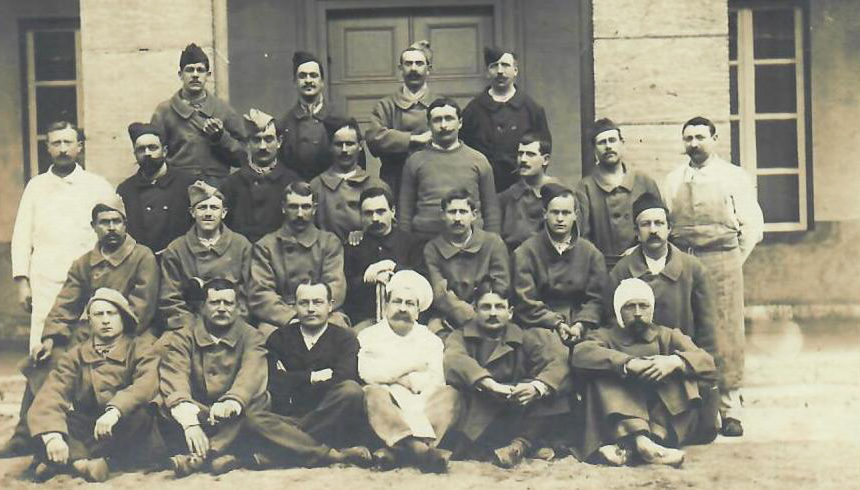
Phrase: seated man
pixel 522 210
pixel 208 250
pixel 459 259
pixel 648 388
pixel 109 380
pixel 253 193
pixel 559 276
pixel 383 248
pixel 295 253
pixel 213 378
pixel 513 380
pixel 683 292
pixel 313 372
pixel 408 405
pixel 339 186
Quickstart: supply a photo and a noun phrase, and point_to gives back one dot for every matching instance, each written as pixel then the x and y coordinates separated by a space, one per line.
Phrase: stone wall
pixel 658 63
pixel 130 58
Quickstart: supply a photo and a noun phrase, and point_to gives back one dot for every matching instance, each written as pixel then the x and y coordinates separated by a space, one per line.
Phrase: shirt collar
pixel 453 147
pixel 673 269
pixel 312 339
pixel 204 338
pixel 332 180
pixel 485 100
pixel 116 258
pixel 473 246
pixel 118 353
pixel 306 238
pixel 607 186
pixel 72 178
pixel 405 102
pixel 221 246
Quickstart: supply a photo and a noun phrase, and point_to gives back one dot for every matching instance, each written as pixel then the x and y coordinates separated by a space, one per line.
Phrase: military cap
pixel 201 191
pixel 648 201
pixel 138 129
pixel 193 54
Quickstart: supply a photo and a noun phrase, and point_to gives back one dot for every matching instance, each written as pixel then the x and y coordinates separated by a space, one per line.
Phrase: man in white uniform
pixel 408 404
pixel 52 229
pixel 716 217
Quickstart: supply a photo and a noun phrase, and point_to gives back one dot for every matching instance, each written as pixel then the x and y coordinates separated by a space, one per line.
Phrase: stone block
pixel 657 149
pixel 655 80
pixel 132 25
pixel 659 18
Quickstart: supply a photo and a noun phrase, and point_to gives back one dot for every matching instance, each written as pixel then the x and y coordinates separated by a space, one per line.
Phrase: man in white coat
pixel 408 404
pixel 52 229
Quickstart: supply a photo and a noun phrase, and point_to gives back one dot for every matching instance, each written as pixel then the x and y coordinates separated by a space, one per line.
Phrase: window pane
pixel 733 89
pixel 779 199
pixel 775 88
pixel 736 142
pixel 776 143
pixel 54 55
pixel 773 34
pixel 55 104
pixel 733 35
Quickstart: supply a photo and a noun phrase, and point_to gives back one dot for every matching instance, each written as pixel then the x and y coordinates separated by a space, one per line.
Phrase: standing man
pixel 213 379
pixel 683 292
pixel 559 276
pixel 305 142
pixel 716 217
pixel 253 194
pixel 398 123
pixel 313 372
pixel 446 164
pixel 208 250
pixel 408 404
pixel 459 259
pixel 295 253
pixel 605 197
pixel 53 225
pixel 383 249
pixel 495 120
pixel 339 186
pixel 648 387
pixel 203 134
pixel 522 210
pixel 155 197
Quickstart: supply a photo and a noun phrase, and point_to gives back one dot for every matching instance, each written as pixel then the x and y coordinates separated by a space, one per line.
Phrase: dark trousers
pixel 336 416
pixel 135 441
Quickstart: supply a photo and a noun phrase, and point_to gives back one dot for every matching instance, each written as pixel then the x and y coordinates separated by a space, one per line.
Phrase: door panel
pixel 364 49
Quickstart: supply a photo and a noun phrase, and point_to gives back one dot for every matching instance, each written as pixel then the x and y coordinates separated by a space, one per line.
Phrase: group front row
pixel 217 394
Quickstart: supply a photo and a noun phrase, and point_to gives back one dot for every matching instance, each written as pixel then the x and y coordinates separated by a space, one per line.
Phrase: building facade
pixel 778 77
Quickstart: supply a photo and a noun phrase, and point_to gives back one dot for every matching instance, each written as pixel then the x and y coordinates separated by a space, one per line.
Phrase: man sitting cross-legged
pixel 313 373
pixel 408 405
pixel 93 411
pixel 648 388
pixel 515 381
pixel 213 380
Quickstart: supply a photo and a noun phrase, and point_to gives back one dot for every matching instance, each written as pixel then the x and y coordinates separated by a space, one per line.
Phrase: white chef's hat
pixel 414 283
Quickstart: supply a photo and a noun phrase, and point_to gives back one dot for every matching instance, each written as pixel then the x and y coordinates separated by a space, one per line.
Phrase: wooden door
pixel 364 49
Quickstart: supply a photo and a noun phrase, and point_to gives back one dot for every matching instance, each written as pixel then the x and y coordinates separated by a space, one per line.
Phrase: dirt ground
pixel 802 423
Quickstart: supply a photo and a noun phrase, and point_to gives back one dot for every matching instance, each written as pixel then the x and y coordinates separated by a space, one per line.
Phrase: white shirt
pixel 656 266
pixel 385 356
pixel 52 227
pixel 736 182
pixel 312 338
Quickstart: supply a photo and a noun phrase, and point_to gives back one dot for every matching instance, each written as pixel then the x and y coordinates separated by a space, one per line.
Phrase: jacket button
pixel 149 208
pixel 165 208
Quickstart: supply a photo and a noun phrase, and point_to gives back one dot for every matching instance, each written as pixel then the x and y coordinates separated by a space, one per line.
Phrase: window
pixel 768 97
pixel 53 85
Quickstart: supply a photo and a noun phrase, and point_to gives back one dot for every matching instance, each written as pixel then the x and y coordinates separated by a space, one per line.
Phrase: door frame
pixel 507 31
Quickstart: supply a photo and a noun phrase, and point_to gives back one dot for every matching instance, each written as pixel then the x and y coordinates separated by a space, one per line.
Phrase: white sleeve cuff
pixel 185 414
pixel 50 436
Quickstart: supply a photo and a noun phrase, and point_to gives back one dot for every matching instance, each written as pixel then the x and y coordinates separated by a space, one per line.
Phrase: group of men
pixel 297 310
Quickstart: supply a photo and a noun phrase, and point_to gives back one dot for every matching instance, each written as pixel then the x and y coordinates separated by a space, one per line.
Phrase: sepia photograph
pixel 416 244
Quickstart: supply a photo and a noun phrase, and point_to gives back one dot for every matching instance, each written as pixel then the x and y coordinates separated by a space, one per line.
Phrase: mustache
pixel 638 325
pixel 402 316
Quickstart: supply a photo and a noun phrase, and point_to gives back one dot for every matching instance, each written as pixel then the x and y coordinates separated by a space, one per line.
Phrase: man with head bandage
pixel 648 389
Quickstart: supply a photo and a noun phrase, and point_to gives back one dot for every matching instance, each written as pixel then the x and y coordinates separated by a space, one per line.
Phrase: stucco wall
pixel 658 63
pixel 131 63
pixel 835 70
